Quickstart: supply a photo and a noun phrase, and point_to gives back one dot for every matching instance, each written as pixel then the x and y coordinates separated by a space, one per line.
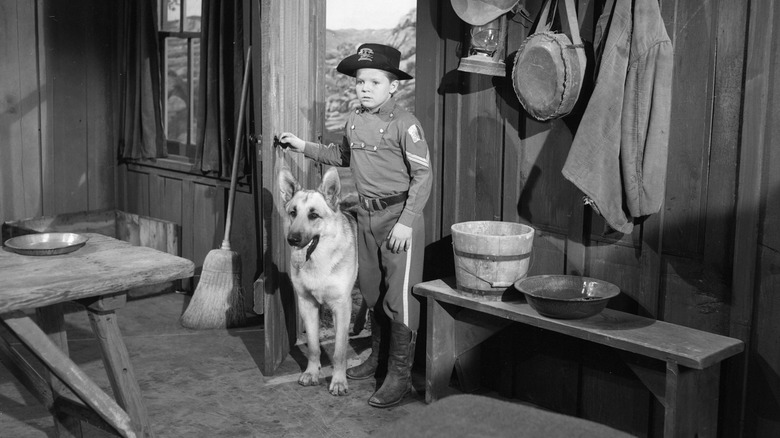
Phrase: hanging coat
pixel 618 156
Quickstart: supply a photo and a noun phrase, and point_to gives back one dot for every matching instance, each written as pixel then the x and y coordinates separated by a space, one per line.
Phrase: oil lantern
pixel 486 49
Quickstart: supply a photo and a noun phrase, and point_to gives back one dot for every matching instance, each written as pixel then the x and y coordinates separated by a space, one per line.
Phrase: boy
pixel 384 146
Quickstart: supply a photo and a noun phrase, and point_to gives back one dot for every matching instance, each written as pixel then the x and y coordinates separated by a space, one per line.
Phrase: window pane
pixel 176 89
pixel 171 15
pixel 351 23
pixel 195 88
pixel 192 15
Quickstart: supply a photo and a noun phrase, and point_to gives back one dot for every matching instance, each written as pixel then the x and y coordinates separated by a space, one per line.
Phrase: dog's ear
pixel 331 188
pixel 288 185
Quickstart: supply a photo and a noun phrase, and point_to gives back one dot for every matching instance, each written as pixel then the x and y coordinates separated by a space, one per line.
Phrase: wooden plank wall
pixel 198 205
pixel 56 124
pixel 757 242
pixel 20 157
pixel 492 162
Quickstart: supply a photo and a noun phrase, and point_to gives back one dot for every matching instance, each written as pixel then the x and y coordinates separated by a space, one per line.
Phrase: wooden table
pixel 96 276
pixel 683 372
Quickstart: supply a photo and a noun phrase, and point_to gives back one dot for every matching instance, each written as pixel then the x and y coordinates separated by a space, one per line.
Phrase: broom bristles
pixel 218 301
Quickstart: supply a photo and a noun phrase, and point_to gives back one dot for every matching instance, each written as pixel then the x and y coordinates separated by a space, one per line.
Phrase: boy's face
pixel 373 87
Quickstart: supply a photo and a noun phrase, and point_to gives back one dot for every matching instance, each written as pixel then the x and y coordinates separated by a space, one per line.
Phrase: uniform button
pixel 352 144
pixel 391 114
pixel 353 126
pixel 363 145
pixel 374 147
pixel 381 131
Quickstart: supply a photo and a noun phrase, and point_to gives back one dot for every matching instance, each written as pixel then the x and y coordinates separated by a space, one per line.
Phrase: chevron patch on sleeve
pixel 414 133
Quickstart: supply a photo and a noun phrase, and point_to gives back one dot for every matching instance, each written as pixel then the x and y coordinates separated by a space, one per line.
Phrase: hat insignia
pixel 366 54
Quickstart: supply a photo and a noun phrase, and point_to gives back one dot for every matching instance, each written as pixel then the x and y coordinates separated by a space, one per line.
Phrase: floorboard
pixel 207 383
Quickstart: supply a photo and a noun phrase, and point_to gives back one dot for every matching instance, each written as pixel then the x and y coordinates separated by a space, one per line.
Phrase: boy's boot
pixel 370 367
pixel 398 382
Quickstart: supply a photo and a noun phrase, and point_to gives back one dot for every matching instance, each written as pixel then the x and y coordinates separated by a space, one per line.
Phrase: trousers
pixel 385 278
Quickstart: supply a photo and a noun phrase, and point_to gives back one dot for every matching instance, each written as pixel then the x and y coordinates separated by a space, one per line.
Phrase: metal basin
pixel 45 244
pixel 566 296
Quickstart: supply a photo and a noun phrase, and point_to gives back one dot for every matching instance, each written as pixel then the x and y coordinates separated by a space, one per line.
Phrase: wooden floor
pixel 208 383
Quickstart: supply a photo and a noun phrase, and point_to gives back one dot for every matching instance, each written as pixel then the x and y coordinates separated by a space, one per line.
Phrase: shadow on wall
pixel 763 399
pixel 31 202
pixel 281 295
pixel 439 260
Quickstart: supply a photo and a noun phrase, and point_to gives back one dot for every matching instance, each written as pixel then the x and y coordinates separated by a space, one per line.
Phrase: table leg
pixel 116 360
pixel 27 375
pixel 63 367
pixel 440 350
pixel 691 401
pixel 471 329
pixel 52 322
pixel 453 334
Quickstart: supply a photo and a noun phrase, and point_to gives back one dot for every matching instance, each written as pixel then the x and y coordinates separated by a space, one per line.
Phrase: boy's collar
pixel 385 108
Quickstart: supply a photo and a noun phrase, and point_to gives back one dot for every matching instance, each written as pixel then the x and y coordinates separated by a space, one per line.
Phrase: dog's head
pixel 305 212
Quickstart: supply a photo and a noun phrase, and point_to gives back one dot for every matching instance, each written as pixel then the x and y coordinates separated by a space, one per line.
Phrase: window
pixel 179 32
pixel 350 23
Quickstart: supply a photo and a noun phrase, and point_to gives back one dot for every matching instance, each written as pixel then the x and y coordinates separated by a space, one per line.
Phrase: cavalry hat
pixel 479 12
pixel 376 56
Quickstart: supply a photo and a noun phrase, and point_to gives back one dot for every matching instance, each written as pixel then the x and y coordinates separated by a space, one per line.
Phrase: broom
pixel 218 301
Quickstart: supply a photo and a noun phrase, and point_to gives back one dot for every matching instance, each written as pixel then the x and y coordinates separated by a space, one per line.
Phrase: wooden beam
pixel 429 104
pixel 61 365
pixel 52 322
pixel 651 373
pixel 440 349
pixel 13 360
pixel 753 143
pixel 290 90
pixel 116 361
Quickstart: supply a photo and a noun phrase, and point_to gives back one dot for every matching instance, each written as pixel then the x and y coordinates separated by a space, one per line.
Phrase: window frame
pixel 176 151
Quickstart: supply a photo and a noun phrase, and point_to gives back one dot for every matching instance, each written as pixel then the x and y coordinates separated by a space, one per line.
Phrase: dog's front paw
pixel 338 386
pixel 309 379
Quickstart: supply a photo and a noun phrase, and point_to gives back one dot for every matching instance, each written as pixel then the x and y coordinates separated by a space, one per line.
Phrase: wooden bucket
pixel 490 256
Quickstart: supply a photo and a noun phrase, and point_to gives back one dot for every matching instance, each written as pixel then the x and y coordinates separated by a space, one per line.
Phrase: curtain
pixel 141 124
pixel 221 73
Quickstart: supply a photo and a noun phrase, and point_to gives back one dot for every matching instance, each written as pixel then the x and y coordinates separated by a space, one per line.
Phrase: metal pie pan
pixel 45 244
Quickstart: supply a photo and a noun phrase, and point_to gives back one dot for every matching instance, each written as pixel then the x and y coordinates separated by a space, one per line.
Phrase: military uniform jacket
pixel 388 155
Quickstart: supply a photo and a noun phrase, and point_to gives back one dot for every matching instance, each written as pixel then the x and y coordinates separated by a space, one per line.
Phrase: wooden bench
pixel 686 380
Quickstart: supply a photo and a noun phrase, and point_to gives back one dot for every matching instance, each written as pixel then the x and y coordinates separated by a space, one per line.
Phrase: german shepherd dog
pixel 323 266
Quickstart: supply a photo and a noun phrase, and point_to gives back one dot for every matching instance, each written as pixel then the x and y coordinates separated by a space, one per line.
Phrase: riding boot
pixel 371 366
pixel 398 382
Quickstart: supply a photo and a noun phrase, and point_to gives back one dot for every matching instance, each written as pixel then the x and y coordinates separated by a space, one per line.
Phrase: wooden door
pixel 291 38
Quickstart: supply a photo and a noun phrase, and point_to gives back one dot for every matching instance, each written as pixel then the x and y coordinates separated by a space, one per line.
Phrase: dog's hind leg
pixel 310 313
pixel 341 314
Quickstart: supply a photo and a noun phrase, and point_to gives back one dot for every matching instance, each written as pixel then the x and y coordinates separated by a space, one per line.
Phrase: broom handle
pixel 237 148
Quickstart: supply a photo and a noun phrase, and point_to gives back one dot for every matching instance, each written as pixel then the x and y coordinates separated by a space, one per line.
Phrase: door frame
pixel 290 75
